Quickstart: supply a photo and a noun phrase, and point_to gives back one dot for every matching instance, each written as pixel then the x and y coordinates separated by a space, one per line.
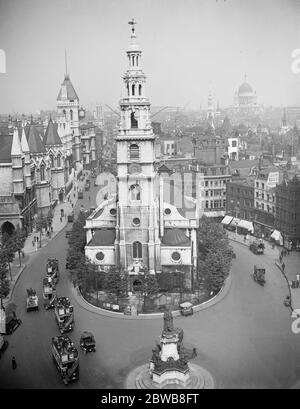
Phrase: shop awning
pixel 227 220
pixel 235 221
pixel 276 235
pixel 245 224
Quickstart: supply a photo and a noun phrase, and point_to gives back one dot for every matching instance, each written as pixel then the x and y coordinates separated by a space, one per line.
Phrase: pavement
pixel 31 247
pixel 291 262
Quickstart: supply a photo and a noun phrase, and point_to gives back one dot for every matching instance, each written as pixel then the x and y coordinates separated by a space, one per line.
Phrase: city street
pixel 245 341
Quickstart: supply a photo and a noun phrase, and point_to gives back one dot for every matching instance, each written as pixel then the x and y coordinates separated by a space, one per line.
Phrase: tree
pixel 116 282
pixel 150 287
pixel 41 223
pixel 19 239
pixel 214 255
pixel 4 282
pixel 77 240
pixel 8 250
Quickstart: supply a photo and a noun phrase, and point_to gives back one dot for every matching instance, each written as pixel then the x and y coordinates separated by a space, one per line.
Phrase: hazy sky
pixel 188 46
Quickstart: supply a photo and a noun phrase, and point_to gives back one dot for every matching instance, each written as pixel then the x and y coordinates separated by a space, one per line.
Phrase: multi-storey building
pixel 240 198
pixel 288 210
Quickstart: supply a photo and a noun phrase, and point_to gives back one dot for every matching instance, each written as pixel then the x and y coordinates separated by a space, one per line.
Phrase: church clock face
pixel 134 168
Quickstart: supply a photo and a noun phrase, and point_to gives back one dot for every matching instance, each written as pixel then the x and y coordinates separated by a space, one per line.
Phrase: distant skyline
pixel 189 47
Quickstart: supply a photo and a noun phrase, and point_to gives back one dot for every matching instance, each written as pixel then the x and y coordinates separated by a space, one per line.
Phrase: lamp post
pixel 236 208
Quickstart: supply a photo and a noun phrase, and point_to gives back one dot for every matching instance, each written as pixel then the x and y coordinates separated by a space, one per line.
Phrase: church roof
pixel 16 149
pixel 245 88
pixel 51 136
pixel 34 139
pixel 175 237
pixel 71 93
pixel 103 237
pixel 5 148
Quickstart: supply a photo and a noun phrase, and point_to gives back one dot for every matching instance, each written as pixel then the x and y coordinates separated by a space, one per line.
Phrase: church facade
pixel 136 229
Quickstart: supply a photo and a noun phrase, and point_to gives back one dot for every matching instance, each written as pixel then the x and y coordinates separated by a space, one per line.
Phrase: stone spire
pixel 24 143
pixel 16 149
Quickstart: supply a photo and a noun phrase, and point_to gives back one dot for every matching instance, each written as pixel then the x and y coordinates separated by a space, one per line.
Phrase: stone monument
pixel 168 364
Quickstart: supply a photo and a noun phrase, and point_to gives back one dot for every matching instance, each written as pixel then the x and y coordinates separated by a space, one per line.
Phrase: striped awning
pixel 227 220
pixel 245 224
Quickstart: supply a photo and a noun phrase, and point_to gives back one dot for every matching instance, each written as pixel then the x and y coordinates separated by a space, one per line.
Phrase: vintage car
pixel 87 342
pixel 259 275
pixel 186 308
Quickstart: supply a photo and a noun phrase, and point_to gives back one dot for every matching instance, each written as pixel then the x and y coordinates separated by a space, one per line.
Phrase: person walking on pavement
pixel 14 363
pixel 283 267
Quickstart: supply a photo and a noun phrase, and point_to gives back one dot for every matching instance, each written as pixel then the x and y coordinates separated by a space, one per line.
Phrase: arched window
pixel 137 60
pixel 58 161
pixel 134 152
pixel 133 60
pixel 140 89
pixel 133 89
pixel 137 250
pixel 135 192
pixel 52 160
pixel 128 89
pixel 42 172
pixel 71 114
pixel 134 122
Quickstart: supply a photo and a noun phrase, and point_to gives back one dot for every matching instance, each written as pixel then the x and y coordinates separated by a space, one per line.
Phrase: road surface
pixel 245 340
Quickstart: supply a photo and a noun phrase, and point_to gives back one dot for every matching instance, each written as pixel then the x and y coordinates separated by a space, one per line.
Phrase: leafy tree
pixel 19 239
pixel 116 282
pixel 8 250
pixel 214 256
pixel 41 223
pixel 77 240
pixel 4 282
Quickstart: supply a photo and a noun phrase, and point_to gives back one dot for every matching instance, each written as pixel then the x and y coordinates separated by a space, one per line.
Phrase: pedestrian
pixel 280 258
pixel 283 267
pixel 60 219
pixel 72 205
pixel 14 363
pixel 51 229
pixel 194 352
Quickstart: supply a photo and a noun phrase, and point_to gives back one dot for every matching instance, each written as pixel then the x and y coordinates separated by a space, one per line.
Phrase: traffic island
pixel 169 366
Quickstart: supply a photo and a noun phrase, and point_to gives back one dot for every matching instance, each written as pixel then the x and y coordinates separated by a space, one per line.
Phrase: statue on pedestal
pixel 168 321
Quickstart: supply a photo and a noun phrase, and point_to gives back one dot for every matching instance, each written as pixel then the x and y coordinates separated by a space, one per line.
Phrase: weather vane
pixel 132 23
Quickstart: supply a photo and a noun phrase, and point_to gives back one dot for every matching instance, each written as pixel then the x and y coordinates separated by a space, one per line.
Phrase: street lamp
pixel 236 208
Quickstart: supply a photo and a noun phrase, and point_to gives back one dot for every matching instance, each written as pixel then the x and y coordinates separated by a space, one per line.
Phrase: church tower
pixel 68 116
pixel 137 226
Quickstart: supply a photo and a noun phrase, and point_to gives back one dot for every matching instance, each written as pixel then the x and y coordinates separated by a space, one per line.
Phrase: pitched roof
pixel 70 91
pixel 51 136
pixel 103 237
pixel 24 143
pixel 34 139
pixel 175 237
pixel 5 148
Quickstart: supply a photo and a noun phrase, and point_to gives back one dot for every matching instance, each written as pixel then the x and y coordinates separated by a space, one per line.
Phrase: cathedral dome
pixel 245 88
pixel 175 237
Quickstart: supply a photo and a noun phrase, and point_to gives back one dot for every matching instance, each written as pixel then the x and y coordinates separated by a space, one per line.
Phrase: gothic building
pixel 137 228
